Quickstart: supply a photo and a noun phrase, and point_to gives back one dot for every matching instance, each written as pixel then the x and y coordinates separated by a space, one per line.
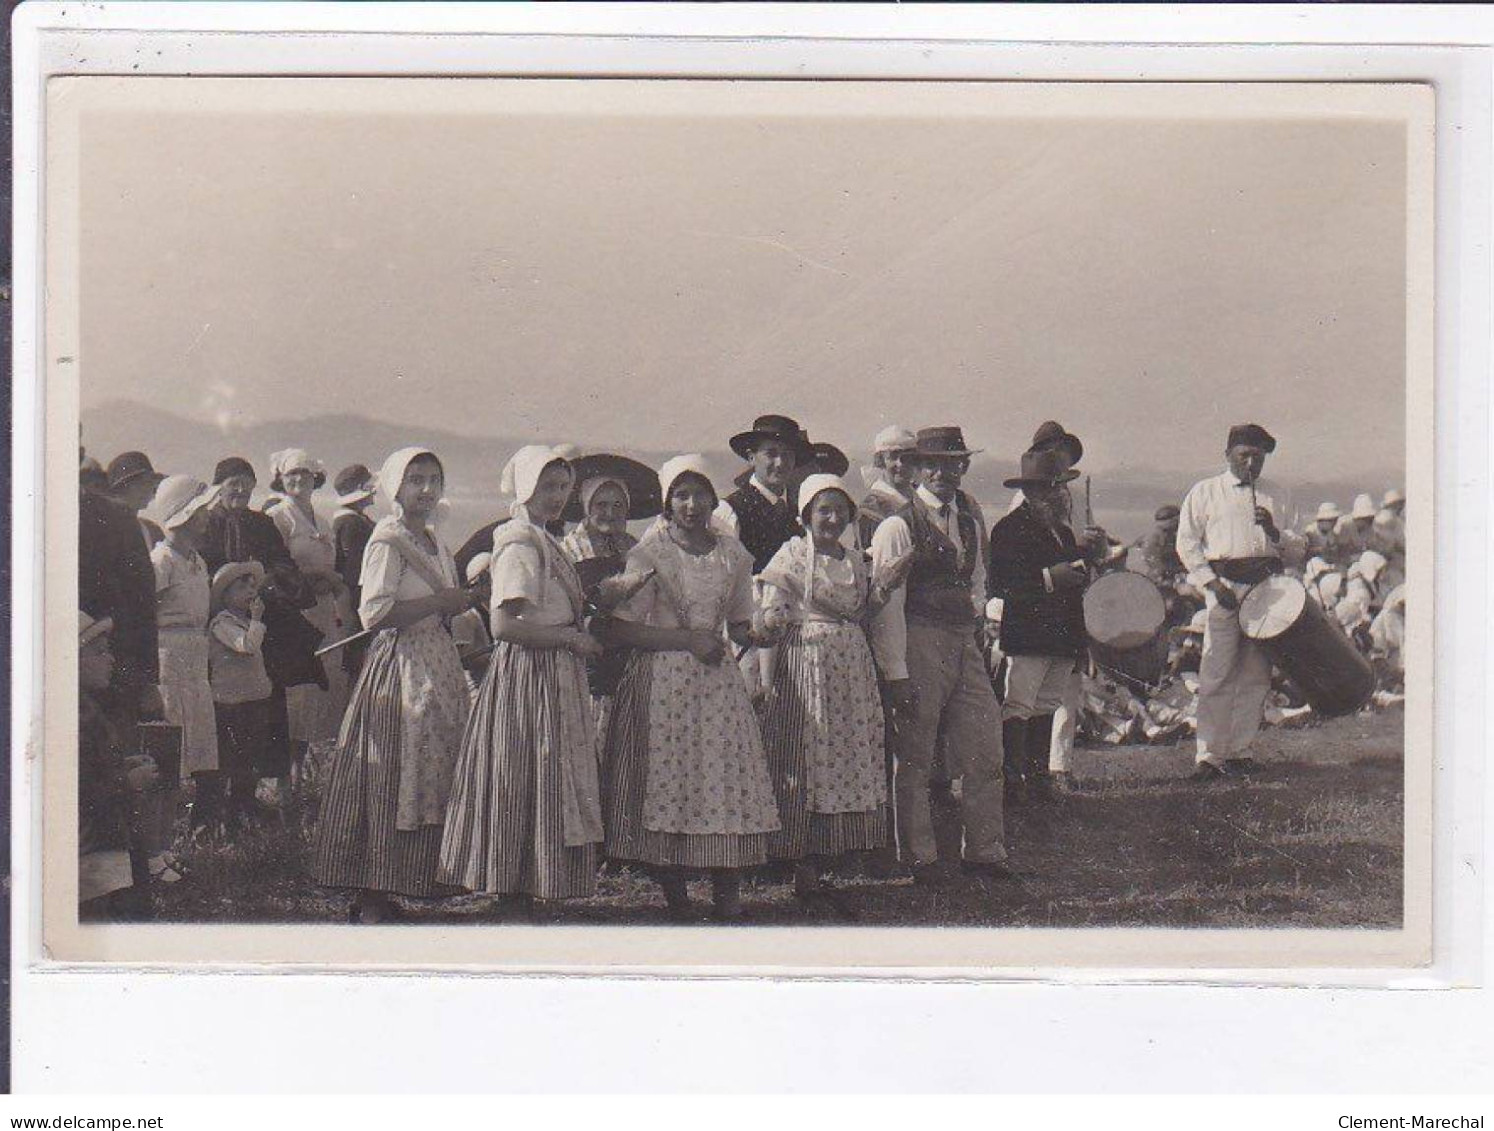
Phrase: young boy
pixel 241 687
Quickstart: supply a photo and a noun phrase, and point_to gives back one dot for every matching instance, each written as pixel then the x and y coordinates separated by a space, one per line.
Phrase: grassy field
pixel 1315 840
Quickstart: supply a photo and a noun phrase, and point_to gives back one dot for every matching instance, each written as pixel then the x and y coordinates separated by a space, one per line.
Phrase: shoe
pixel 935 875
pixel 1061 783
pixel 1204 773
pixel 988 870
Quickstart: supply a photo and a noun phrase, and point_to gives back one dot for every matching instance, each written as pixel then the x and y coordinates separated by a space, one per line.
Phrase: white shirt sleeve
pixel 724 520
pixel 1192 523
pixel 238 638
pixel 889 628
pixel 381 574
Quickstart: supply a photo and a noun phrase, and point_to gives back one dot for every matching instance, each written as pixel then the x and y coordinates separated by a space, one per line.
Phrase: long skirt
pixel 359 843
pixel 515 779
pixel 823 730
pixel 717 740
pixel 188 698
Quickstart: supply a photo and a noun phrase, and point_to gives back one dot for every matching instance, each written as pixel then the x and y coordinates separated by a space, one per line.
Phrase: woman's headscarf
pixel 294 459
pixel 595 484
pixel 522 475
pixel 679 465
pixel 392 477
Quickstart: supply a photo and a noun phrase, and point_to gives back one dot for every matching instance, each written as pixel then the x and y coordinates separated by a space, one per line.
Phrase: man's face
pixel 1325 525
pixel 943 474
pixel 773 462
pixel 138 492
pixel 1050 502
pixel 1245 462
pixel 1170 527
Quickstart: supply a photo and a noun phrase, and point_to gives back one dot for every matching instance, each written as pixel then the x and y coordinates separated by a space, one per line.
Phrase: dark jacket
pixel 116 579
pixel 762 527
pixel 290 639
pixel 481 542
pixel 939 585
pixel 1034 621
pixel 350 534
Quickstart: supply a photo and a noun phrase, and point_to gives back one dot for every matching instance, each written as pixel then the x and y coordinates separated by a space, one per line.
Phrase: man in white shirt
pixel 1228 541
pixel 929 561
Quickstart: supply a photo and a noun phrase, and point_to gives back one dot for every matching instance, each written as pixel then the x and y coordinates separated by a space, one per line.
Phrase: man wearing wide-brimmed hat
pixel 1040 570
pixel 1389 535
pixel 928 561
pixel 894 478
pixel 1229 540
pixel 133 482
pixel 761 511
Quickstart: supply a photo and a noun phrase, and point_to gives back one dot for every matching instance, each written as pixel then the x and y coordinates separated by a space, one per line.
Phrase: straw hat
pixel 229 573
pixel 1392 497
pixel 178 498
pixel 1327 511
pixel 1364 507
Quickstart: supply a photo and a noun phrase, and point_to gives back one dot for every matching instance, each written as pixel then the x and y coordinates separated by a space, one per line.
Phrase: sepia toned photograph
pixel 854 524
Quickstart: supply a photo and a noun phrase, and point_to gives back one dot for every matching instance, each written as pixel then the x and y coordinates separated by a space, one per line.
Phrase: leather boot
pixel 1039 743
pixel 1014 757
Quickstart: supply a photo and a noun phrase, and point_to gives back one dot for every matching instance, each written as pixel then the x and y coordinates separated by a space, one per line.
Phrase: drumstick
pixel 367 632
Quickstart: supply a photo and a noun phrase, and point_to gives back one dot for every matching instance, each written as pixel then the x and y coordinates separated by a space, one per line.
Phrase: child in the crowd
pixel 241 687
pixel 183 598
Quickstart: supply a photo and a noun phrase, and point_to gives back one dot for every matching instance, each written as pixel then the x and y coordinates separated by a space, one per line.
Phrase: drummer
pixel 1040 571
pixel 1228 540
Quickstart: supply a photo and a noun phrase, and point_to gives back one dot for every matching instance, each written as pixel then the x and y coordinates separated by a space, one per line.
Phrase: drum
pixel 1126 619
pixel 1308 644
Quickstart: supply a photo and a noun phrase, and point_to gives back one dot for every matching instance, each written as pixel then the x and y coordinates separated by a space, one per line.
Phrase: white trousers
pixel 1065 722
pixel 1234 678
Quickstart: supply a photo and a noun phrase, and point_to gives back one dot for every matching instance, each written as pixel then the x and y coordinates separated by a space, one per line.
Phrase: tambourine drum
pixel 1126 619
pixel 1307 644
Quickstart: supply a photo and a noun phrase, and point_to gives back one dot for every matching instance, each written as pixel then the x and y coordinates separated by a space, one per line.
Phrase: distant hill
pixel 1124 499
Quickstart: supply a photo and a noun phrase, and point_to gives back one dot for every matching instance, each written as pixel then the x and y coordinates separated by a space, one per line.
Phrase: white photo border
pixel 848 41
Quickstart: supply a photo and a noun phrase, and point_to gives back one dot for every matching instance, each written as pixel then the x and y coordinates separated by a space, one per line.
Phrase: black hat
pixel 232 468
pixel 353 484
pixel 1040 469
pixel 1252 436
pixel 128 466
pixel 943 440
pixel 1051 434
pixel 645 496
pixel 772 427
pixel 826 459
pixel 1167 513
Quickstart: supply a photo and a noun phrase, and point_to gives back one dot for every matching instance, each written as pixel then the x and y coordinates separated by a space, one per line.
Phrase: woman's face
pixel 196 526
pixel 691 502
pixel 299 484
pixel 235 492
pixel 421 488
pixel 551 493
pixel 607 512
pixel 901 468
pixel 829 515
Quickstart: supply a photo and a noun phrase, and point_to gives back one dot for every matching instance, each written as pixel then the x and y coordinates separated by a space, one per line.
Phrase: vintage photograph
pixel 738 504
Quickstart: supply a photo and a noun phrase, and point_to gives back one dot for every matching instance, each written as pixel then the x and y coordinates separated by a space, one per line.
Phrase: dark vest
pixel 938 585
pixel 761 529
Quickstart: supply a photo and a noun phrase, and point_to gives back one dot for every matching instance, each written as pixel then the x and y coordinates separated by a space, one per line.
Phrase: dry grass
pixel 1314 841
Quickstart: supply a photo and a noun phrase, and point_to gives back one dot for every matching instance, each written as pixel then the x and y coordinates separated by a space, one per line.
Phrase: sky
pixel 653 264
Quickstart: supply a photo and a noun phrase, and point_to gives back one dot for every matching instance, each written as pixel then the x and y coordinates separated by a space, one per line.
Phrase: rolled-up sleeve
pixel 516 575
pixel 1192 525
pixel 380 576
pixel 892 542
